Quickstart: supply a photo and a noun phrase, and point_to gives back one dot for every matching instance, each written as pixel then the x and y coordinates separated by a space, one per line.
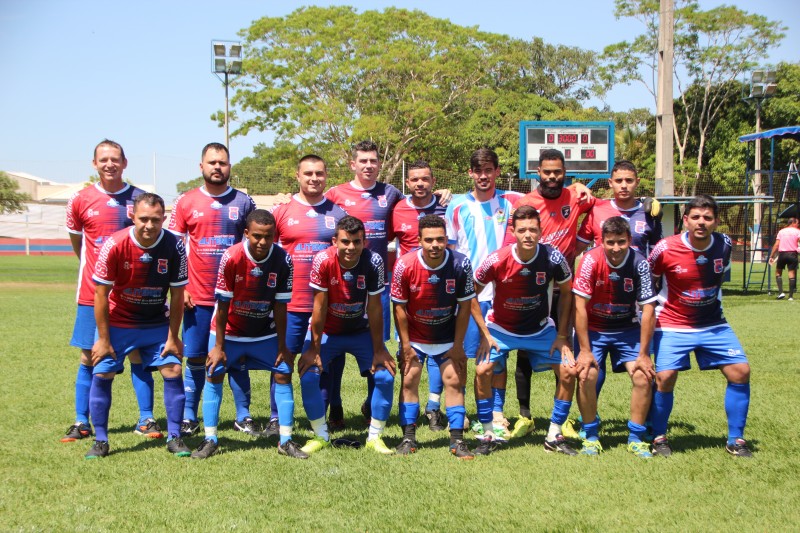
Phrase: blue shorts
pixel 333 346
pixel 257 355
pixel 622 345
pixel 436 358
pixel 196 329
pixel 149 342
pixel 296 329
pixel 536 346
pixel 713 348
pixel 472 338
pixel 83 333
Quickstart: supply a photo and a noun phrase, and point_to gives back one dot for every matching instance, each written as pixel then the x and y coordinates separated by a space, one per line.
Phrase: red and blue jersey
pixel 613 291
pixel 373 207
pixel 691 282
pixel 97 214
pixel 347 289
pixel 645 230
pixel 212 224
pixel 303 230
pixel 522 290
pixel 432 295
pixel 141 277
pixel 405 221
pixel 252 288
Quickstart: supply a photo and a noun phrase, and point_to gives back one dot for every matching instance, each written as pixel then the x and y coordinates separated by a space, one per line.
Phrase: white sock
pixel 554 431
pixel 320 428
pixel 375 429
pixel 211 431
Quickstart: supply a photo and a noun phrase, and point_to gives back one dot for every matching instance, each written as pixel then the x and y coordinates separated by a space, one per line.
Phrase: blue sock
pixel 435 384
pixel 83 384
pixel 100 405
pixel 143 388
pixel 484 410
pixel 456 415
pixel 636 431
pixel 601 378
pixel 212 398
pixel 193 381
pixel 737 403
pixel 560 411
pixel 312 395
pixel 662 408
pixel 273 402
pixel 498 399
pixel 384 391
pixel 285 399
pixel 592 429
pixel 239 381
pixel 174 400
pixel 409 412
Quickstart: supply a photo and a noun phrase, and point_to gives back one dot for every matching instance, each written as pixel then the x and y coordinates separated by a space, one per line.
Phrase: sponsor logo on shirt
pixel 433 279
pixel 613 276
pixel 312 214
pixel 216 205
pixel 349 203
pixel 92 213
pixel 347 276
pixel 525 272
pixel 112 203
pixel 256 272
pixel 701 260
pixel 146 258
pixel 365 195
pixel 292 222
pixel 197 214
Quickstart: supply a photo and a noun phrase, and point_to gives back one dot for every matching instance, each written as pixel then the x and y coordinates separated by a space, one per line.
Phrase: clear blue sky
pixel 75 72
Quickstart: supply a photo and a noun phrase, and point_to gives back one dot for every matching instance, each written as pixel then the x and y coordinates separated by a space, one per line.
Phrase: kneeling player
pixel 610 280
pixel 431 289
pixel 254 283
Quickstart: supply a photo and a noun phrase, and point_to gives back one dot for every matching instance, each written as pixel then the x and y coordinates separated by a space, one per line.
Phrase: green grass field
pixel 47 485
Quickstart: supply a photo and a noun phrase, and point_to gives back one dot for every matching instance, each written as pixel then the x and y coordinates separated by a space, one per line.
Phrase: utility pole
pixel 665 121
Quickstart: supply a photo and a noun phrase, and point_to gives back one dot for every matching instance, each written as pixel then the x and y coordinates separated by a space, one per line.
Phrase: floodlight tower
pixel 226 64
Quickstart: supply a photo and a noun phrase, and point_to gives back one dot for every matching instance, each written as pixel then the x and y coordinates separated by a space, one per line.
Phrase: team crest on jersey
pixel 433 279
pixel 361 282
pixel 312 214
pixel 347 276
pixel 718 266
pixel 450 286
pixel 163 266
pixel 129 210
pixel 541 278
pixel 525 272
pixel 272 279
pixel 701 260
pixel 112 202
pixel 330 223
pixel 565 211
pixel 146 258
pixel 256 272
pixel 613 276
pixel 382 201
pixel 628 284
pixel 233 213
pixel 216 205
pixel 640 226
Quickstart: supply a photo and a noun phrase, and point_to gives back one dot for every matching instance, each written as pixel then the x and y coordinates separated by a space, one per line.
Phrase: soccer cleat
pixel 273 428
pixel 640 449
pixel 291 449
pixel 77 431
pixel 661 447
pixel 206 449
pixel 406 447
pixel 486 446
pixel 149 429
pixel 739 449
pixel 477 427
pixel 436 420
pixel 337 425
pixel 591 447
pixel 377 445
pixel 99 449
pixel 249 426
pixel 500 429
pixel 559 445
pixel 791 299
pixel 314 445
pixel 176 447
pixel 569 431
pixel 460 449
pixel 345 443
pixel 781 296
pixel 189 427
pixel 522 427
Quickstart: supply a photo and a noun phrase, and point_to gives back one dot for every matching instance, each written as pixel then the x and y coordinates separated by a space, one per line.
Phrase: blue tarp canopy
pixel 791 132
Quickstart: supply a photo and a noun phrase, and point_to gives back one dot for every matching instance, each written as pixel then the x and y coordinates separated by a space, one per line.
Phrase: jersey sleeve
pixel 450 223
pixel 226 278
pixel 179 270
pixel 656 258
pixel 466 285
pixel 486 272
pixel 284 289
pixel 74 223
pixel 177 220
pixel 376 280
pixel 399 285
pixel 645 290
pixel 585 277
pixel 561 270
pixel 318 279
pixel 105 269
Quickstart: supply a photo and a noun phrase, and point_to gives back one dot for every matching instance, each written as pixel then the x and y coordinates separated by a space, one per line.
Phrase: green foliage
pixel 11 201
pixel 184 186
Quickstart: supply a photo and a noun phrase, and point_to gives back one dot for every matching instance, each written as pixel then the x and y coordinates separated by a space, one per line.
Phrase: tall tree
pixel 11 201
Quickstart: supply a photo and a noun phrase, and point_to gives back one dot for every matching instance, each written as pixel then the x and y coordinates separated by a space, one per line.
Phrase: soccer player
pixel 93 215
pixel 407 213
pixel 689 318
pixel 784 255
pixel 135 270
pixel 431 290
pixel 611 279
pixel 253 286
pixel 519 319
pixel 210 218
pixel 347 279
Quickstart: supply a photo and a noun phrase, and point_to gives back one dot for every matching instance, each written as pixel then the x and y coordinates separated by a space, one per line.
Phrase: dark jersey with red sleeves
pixel 141 277
pixel 373 207
pixel 523 290
pixel 645 230
pixel 405 221
pixel 691 282
pixel 432 295
pixel 347 289
pixel 212 224
pixel 97 214
pixel 303 230
pixel 252 288
pixel 613 292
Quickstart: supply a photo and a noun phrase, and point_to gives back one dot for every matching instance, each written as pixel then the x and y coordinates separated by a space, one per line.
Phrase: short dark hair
pixel 149 198
pixel 418 164
pixel 349 224
pixel 218 147
pixel 551 154
pixel 430 221
pixel 792 220
pixel 616 226
pixel 525 212
pixel 624 164
pixel 314 158
pixel 260 216
pixel 481 156
pixel 364 146
pixel 113 144
pixel 702 201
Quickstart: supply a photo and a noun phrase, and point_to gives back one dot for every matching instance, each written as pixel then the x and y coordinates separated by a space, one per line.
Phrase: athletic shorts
pixel 713 348
pixel 622 345
pixel 83 333
pixel 257 355
pixel 333 346
pixel 786 260
pixel 536 346
pixel 296 329
pixel 438 358
pixel 196 329
pixel 472 338
pixel 149 341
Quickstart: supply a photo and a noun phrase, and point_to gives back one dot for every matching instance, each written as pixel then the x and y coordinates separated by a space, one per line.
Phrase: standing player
pixel 253 286
pixel 141 264
pixel 689 318
pixel 431 290
pixel 405 220
pixel 784 255
pixel 519 319
pixel 347 279
pixel 210 219
pixel 610 281
pixel 93 215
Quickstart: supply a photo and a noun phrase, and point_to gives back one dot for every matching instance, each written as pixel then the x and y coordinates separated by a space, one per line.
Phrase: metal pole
pixel 757 209
pixel 227 138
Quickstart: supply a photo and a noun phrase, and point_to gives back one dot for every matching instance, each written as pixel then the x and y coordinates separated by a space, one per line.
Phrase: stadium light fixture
pixel 226 61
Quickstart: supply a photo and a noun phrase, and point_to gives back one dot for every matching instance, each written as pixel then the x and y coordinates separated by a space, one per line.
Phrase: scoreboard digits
pixel 588 147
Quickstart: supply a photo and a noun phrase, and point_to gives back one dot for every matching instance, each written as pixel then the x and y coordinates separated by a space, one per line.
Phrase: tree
pixel 11 201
